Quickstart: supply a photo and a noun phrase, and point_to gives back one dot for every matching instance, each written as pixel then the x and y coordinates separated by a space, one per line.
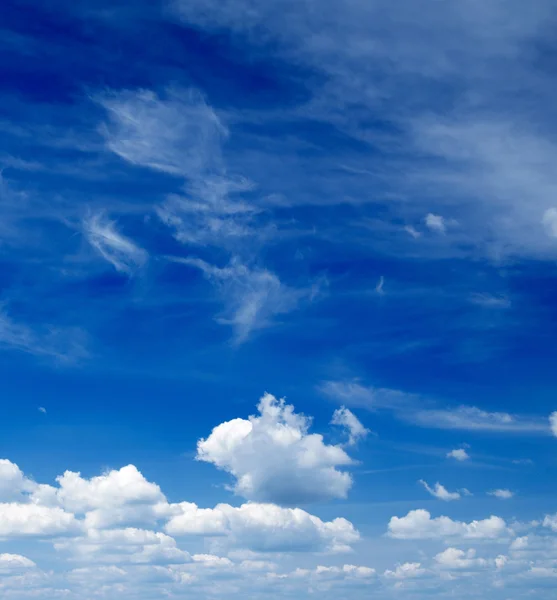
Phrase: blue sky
pixel 277 307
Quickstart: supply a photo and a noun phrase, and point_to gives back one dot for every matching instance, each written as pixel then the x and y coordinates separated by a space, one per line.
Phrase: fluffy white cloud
pixel 13 563
pixel 409 570
pixel 453 558
pixel 264 527
pixel 19 520
pixel 114 247
pixel 346 418
pixel 439 491
pixel 418 524
pixel 13 482
pixel 274 458
pixel 502 494
pixel 117 497
pixel 130 545
pixel 458 454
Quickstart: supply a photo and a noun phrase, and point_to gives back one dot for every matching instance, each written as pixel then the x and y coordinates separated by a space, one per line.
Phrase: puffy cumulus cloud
pixel 409 570
pixel 458 454
pixel 117 497
pixel 274 458
pixel 440 492
pixel 13 483
pixel 453 558
pixel 347 419
pixel 418 524
pixel 264 527
pixel 129 545
pixel 551 522
pixel 21 520
pixel 14 563
pixel 125 256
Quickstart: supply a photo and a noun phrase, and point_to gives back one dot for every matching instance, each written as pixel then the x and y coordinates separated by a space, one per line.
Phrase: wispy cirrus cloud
pixel 252 296
pixel 60 344
pixel 423 412
pixel 123 254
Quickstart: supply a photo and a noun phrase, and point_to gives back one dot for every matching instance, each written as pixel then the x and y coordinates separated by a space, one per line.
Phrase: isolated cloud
pixel 458 454
pixel 553 423
pixel 502 494
pixel 345 418
pixel 435 223
pixel 123 254
pixel 418 524
pixel 440 492
pixel 274 458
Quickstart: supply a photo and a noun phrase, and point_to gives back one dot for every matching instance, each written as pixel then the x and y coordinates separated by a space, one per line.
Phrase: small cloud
pixel 553 422
pixel 440 492
pixel 346 418
pixel 458 454
pixel 379 287
pixel 413 232
pixel 549 220
pixel 491 300
pixel 436 223
pixel 114 247
pixel 42 409
pixel 523 461
pixel 502 494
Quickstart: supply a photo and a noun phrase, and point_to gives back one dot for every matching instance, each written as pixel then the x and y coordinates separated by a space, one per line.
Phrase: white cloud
pixel 124 255
pixel 502 494
pixel 253 297
pixel 274 458
pixel 42 409
pixel 458 454
pixel 474 419
pixel 264 527
pixel 353 393
pixel 435 223
pixel 61 344
pixel 22 520
pixel 550 221
pixel 418 524
pixel 551 522
pixel 440 492
pixel 453 558
pixel 409 570
pixel 13 483
pixel 14 563
pixel 553 423
pixel 178 134
pixel 130 545
pixel 345 418
pixel 379 288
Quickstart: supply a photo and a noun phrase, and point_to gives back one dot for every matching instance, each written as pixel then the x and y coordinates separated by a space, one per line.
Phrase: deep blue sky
pixel 343 204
